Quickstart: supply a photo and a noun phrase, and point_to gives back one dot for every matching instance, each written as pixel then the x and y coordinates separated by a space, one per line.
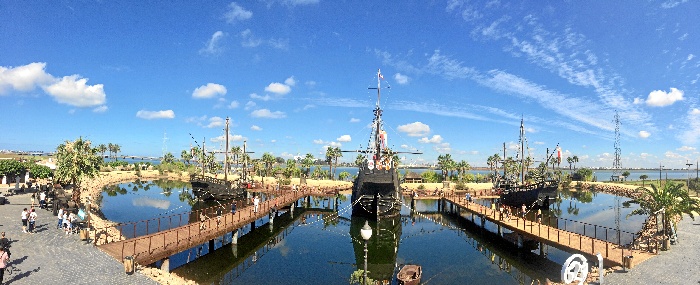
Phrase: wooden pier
pixel 160 245
pixel 613 254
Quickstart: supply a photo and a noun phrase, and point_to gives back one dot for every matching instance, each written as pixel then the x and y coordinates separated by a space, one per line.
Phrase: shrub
pixel 421 187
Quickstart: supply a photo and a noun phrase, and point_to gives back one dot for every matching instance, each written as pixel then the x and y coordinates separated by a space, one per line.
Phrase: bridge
pixel 162 244
pixel 548 232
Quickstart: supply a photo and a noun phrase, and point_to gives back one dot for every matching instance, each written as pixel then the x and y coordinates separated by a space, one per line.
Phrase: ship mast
pixel 522 152
pixel 378 116
pixel 226 166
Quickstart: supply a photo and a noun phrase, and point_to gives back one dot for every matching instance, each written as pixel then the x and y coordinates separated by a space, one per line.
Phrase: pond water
pixel 321 244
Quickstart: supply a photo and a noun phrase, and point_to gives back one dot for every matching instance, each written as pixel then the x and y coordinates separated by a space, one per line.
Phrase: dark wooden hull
pixel 538 196
pixel 376 194
pixel 208 188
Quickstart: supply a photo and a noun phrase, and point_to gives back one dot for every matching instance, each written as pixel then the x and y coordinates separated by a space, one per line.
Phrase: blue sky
pixel 293 75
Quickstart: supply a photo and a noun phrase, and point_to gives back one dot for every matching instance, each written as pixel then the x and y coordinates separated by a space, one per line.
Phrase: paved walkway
pixel 676 266
pixel 51 257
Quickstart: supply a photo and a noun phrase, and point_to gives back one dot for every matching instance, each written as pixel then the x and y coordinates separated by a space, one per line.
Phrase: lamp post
pixel 660 168
pixel 688 170
pixel 366 233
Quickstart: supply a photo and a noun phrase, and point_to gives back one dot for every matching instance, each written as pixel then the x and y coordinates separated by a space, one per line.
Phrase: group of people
pixel 67 221
pixel 4 255
pixel 29 218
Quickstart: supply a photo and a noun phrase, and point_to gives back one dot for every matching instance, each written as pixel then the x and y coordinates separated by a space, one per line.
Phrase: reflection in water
pixel 382 247
pixel 150 202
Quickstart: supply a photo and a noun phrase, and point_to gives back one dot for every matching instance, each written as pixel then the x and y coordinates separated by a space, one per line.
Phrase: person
pixel 256 201
pixel 42 200
pixel 32 220
pixel 5 243
pixel 218 216
pixel 66 222
pixel 202 219
pixel 60 218
pixel 539 216
pixel 524 210
pixel 25 216
pixel 4 260
pixel 233 207
pixel 33 196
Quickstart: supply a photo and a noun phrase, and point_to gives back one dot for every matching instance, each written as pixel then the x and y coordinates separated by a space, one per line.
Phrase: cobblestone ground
pixel 51 257
pixel 676 266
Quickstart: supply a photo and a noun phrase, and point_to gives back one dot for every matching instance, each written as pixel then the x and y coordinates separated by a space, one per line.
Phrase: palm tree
pixel 570 160
pixel 462 168
pixel 269 162
pixel 236 151
pixel 168 158
pixel 291 168
pixel 186 156
pixel 117 149
pixel 102 148
pixel 110 147
pixel 332 155
pixel 673 200
pixel 360 160
pixel 75 160
pixel 643 177
pixel 306 163
pixel 575 160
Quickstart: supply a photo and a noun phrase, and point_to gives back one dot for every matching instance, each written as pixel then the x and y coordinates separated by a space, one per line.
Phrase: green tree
pixel 102 148
pixel 306 163
pixel 430 176
pixel 168 158
pixel 643 177
pixel 11 168
pixel 574 159
pixel 236 151
pixel 586 174
pixel 186 156
pixel 332 155
pixel 462 168
pixel 626 174
pixel 74 161
pixel 570 160
pixel 39 171
pixel 360 160
pixel 344 175
pixel 673 199
pixel 269 162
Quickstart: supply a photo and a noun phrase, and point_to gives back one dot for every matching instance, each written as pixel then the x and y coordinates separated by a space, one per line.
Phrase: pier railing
pixel 618 237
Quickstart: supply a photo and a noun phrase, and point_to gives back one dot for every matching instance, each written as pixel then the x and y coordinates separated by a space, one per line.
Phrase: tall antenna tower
pixel 165 144
pixel 617 168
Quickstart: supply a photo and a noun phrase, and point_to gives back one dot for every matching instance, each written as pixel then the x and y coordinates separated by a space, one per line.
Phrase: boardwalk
pixel 612 253
pixel 160 245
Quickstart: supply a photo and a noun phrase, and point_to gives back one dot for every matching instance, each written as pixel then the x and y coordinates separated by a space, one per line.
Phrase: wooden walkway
pixel 160 245
pixel 612 253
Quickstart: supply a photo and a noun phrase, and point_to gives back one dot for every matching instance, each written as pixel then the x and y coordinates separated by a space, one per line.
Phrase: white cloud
pixel 255 128
pixel 300 2
pixel 695 111
pixel 249 105
pixel 335 144
pixel 638 101
pixel 659 98
pixel 212 46
pixel 310 83
pixel 209 91
pixel 24 78
pixel 74 91
pixel 150 115
pixel 259 97
pixel 265 113
pixel 410 148
pixel 231 138
pixel 442 147
pixel 249 40
pixel 278 88
pixel 415 129
pixel 644 134
pixel 436 139
pixel 344 138
pixel 319 141
pixel 233 105
pixel 100 109
pixel 690 57
pixel 685 148
pixel 290 81
pixel 354 120
pixel 400 78
pixel 237 13
pixel 216 122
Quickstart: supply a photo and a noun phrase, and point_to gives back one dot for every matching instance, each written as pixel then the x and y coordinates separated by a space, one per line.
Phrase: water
pixel 319 247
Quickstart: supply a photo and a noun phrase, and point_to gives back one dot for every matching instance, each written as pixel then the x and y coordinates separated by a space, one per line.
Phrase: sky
pixel 293 77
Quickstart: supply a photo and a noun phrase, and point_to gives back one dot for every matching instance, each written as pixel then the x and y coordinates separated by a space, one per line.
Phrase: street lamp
pixel 689 165
pixel 366 233
pixel 660 168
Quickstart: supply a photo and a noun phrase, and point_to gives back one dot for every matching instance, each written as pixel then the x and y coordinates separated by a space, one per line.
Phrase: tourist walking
pixel 60 218
pixel 33 197
pixel 218 216
pixel 66 222
pixel 25 216
pixel 539 216
pixel 5 243
pixel 524 210
pixel 4 260
pixel 32 221
pixel 42 200
pixel 233 207
pixel 202 219
pixel 256 201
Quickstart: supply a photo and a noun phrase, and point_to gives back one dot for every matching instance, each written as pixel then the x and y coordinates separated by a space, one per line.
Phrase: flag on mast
pixel 380 75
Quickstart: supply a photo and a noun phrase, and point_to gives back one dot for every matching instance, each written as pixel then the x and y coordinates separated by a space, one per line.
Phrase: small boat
pixel 409 275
